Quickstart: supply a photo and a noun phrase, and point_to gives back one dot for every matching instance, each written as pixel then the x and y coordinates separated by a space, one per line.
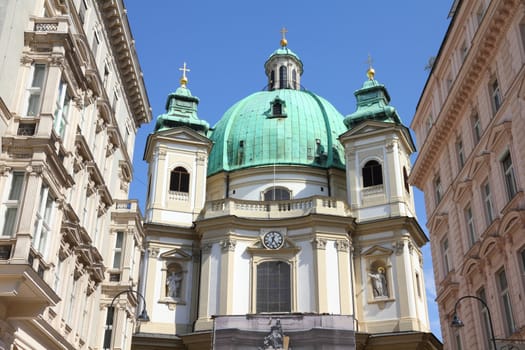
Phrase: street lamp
pixel 143 317
pixel 457 323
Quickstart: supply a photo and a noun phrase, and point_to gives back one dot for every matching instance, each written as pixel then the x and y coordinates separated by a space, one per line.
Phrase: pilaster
pixel 227 268
pixel 319 249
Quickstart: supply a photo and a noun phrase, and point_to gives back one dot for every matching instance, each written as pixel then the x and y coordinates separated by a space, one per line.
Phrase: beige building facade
pixel 71 100
pixel 469 127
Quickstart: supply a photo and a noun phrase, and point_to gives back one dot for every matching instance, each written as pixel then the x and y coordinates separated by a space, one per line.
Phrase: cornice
pixel 484 47
pixel 123 47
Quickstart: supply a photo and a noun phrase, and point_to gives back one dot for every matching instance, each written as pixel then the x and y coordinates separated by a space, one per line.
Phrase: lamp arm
pixel 493 337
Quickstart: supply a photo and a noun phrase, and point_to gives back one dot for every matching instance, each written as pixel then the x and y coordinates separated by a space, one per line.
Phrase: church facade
pixel 286 225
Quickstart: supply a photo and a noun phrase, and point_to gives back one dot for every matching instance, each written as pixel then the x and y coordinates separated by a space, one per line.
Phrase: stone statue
pixel 274 340
pixel 379 283
pixel 174 282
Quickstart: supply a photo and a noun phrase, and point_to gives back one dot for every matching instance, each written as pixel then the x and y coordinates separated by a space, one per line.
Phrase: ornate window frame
pixel 287 253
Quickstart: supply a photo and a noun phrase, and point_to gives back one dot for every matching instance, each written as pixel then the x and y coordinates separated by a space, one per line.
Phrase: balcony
pixel 24 293
pixel 46 29
pixel 275 209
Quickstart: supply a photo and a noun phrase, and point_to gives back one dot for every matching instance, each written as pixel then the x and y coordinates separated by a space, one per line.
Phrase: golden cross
pixel 283 32
pixel 369 61
pixel 184 70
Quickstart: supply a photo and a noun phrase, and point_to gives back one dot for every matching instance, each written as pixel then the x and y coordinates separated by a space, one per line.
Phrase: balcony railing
pixel 276 209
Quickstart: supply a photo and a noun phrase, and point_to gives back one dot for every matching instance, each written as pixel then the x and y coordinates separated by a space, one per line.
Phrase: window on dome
pixel 277 108
pixel 372 174
pixel 180 180
pixel 277 194
pixel 274 287
pixel 294 79
pixel 272 80
pixel 283 77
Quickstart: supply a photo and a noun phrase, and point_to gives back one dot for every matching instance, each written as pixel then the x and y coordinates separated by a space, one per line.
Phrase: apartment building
pixel 470 131
pixel 71 100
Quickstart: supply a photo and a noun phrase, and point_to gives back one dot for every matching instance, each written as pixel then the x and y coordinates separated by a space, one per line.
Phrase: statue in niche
pixel 379 283
pixel 174 282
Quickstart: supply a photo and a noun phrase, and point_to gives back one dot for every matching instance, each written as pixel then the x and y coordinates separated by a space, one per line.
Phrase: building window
pixel 294 79
pixel 438 190
pixel 460 152
pixel 495 94
pixel 180 180
pixel 43 220
pixel 372 174
pixel 471 229
pixel 117 252
pixel 476 128
pixel 35 90
pixel 95 43
pixel 272 79
pixel 446 256
pixel 61 110
pixel 108 328
pixel 485 319
pixel 506 304
pixel 277 194
pixel 487 200
pixel 508 173
pixel 12 203
pixel 283 77
pixel 82 11
pixel 405 180
pixel 274 287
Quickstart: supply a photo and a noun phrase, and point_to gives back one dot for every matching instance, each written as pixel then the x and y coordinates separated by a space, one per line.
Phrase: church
pixel 287 225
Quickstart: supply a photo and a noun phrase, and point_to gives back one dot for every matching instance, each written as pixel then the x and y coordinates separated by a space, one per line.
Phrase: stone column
pixel 319 247
pixel 345 286
pixel 226 282
pixel 204 321
pixel 27 206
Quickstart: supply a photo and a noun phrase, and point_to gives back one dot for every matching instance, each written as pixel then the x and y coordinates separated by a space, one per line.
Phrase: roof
pixel 305 132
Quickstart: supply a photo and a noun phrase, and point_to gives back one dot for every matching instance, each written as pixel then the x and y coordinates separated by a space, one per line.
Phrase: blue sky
pixel 225 44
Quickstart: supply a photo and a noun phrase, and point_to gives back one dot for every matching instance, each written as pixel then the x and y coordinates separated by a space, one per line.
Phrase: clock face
pixel 273 240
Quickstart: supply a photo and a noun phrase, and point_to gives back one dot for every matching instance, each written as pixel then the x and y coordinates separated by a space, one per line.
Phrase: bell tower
pixel 387 238
pixel 177 154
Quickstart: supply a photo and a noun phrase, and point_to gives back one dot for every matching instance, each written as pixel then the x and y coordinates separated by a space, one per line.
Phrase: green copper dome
pixel 372 104
pixel 283 126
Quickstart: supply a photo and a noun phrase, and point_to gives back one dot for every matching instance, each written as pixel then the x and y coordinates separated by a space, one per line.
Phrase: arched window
pixel 283 77
pixel 294 79
pixel 180 180
pixel 272 80
pixel 372 174
pixel 274 287
pixel 405 180
pixel 277 194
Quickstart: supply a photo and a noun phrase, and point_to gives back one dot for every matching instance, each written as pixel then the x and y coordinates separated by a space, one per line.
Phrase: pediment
pixel 439 222
pixel 368 127
pixel 464 187
pixel 478 162
pixel 175 254
pixel 499 132
pixel 377 250
pixel 183 133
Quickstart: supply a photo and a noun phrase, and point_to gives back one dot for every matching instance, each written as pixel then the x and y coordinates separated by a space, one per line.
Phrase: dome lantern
pixel 284 68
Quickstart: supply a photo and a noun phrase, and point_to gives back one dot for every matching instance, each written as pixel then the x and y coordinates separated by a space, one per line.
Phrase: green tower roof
pixel 181 109
pixel 372 103
pixel 283 126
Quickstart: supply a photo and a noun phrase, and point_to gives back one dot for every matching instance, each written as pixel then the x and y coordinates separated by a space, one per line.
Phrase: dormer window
pixel 278 108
